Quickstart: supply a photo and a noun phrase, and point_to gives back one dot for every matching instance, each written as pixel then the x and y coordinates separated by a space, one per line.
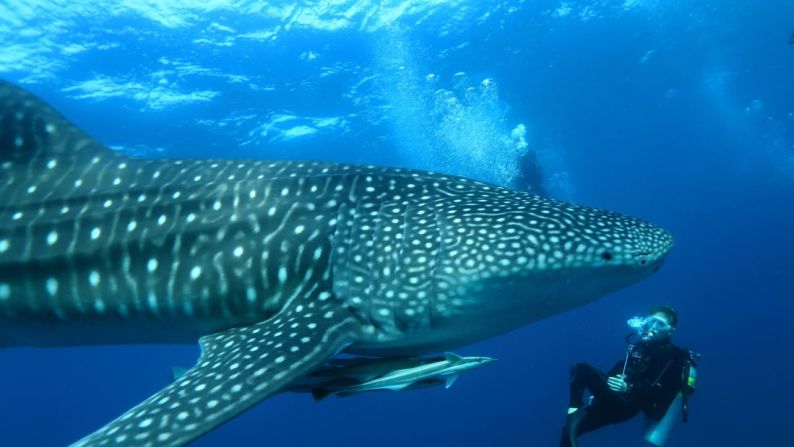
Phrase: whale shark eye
pixel 607 256
pixel 643 262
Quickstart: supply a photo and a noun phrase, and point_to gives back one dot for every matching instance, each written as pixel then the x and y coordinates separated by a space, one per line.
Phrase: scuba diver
pixel 655 378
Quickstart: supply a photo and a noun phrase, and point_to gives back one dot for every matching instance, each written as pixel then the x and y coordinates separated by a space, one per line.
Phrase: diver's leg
pixel 584 376
pixel 605 411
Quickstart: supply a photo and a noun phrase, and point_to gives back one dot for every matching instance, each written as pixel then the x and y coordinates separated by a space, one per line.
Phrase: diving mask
pixel 652 327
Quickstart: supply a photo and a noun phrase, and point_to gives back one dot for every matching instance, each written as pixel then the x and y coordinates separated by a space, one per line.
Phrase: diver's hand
pixel 616 383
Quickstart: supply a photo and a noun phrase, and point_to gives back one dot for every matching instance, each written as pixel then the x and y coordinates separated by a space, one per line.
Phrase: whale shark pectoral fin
pixel 237 369
pixel 450 380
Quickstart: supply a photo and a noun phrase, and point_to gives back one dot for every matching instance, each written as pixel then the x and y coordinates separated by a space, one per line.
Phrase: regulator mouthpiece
pixel 650 328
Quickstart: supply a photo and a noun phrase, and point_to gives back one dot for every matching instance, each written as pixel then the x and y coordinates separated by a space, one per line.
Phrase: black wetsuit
pixel 655 375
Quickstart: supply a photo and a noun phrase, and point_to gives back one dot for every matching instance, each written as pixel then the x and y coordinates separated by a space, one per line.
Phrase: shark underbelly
pixel 487 312
pixel 57 333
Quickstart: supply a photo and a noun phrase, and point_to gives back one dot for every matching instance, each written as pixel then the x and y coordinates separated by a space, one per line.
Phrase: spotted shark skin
pixel 275 267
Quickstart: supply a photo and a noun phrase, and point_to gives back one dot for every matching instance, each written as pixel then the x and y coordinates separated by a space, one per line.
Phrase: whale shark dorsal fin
pixel 31 131
pixel 452 357
pixel 177 372
pixel 237 369
pixel 46 158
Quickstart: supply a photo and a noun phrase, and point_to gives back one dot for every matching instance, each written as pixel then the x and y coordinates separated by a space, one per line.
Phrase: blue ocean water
pixel 681 113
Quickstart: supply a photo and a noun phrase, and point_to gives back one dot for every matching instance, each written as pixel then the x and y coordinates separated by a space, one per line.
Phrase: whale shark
pixel 275 267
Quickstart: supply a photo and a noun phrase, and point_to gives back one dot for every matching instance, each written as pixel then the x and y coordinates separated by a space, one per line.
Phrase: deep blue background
pixel 696 136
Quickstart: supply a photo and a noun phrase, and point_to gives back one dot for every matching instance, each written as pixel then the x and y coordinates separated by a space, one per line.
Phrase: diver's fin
pixel 572 425
pixel 237 369
pixel 451 380
pixel 177 372
pixel 452 357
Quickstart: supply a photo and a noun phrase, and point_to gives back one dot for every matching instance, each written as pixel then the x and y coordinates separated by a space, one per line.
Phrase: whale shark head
pixel 489 260
pixel 531 257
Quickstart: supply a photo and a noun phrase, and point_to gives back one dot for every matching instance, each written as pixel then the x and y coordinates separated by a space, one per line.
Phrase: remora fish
pixel 431 372
pixel 339 372
pixel 275 267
